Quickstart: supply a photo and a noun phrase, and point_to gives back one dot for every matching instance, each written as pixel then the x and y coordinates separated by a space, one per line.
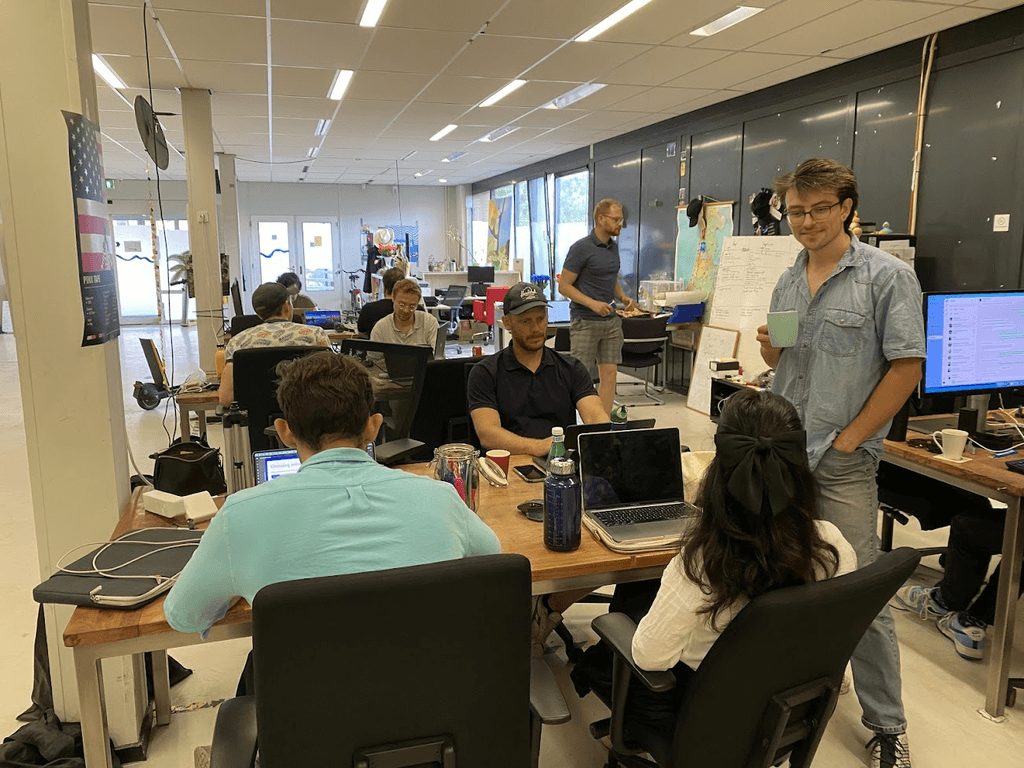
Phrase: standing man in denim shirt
pixel 856 360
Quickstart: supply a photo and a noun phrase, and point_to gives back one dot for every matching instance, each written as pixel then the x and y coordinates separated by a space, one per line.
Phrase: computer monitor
pixel 236 298
pixel 479 274
pixel 974 342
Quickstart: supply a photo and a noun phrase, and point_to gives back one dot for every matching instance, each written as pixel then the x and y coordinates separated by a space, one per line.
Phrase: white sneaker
pixel 847 683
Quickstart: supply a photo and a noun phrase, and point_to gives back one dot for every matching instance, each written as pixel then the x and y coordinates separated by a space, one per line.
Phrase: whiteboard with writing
pixel 714 343
pixel 748 269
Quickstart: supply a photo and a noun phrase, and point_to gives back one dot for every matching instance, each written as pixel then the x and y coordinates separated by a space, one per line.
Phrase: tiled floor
pixel 942 693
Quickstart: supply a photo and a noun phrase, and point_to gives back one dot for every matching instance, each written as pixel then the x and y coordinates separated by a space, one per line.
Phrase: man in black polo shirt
pixel 590 280
pixel 519 393
pixel 378 310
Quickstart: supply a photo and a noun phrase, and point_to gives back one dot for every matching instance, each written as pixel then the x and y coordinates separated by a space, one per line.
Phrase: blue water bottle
pixel 562 506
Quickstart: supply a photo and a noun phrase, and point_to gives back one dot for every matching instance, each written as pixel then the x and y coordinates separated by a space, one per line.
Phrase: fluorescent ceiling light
pixel 312 152
pixel 372 12
pixel 340 84
pixel 498 133
pixel 730 19
pixel 424 173
pixel 443 132
pixel 497 96
pixel 408 155
pixel 611 21
pixel 576 94
pixel 442 181
pixel 453 157
pixel 101 68
pixel 321 127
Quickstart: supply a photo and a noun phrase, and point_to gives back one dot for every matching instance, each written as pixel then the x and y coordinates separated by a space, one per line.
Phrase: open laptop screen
pixel 324 318
pixel 630 467
pixel 271 464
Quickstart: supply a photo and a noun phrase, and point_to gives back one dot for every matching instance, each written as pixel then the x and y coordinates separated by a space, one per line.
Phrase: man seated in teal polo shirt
pixel 340 513
pixel 519 393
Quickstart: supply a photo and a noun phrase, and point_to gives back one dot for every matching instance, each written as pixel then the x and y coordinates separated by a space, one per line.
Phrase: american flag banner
pixel 95 255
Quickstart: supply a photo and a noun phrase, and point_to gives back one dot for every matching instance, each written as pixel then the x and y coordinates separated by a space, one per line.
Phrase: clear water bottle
pixel 619 417
pixel 557 449
pixel 562 506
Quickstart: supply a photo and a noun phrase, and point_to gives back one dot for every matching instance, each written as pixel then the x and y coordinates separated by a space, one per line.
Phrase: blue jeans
pixel 849 500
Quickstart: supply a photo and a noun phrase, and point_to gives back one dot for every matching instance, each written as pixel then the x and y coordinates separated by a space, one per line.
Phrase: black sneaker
pixel 889 750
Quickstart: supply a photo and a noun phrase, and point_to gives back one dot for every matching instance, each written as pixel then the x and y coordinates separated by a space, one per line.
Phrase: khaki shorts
pixel 596 342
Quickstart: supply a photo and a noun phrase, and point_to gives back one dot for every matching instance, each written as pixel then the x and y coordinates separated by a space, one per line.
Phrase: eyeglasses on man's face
pixel 817 213
pixel 615 219
pixel 404 305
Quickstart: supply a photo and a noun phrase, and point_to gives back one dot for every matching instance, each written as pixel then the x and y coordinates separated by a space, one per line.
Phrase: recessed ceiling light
pixel 321 127
pixel 453 157
pixel 730 19
pixel 498 133
pixel 497 96
pixel 611 21
pixel 423 173
pixel 442 181
pixel 340 84
pixel 576 94
pixel 443 132
pixel 101 68
pixel 372 12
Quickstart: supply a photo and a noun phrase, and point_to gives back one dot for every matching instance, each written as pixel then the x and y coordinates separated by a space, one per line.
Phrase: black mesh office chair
pixel 426 665
pixel 241 323
pixel 253 373
pixel 642 346
pixel 769 684
pixel 443 415
pixel 450 304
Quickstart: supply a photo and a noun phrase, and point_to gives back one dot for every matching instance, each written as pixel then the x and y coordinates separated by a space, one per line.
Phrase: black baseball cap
pixel 523 296
pixel 269 298
pixel 693 209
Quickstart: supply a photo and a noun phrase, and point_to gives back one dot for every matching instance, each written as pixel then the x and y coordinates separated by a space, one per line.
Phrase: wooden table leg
pixel 201 416
pixel 161 688
pixel 1006 609
pixel 186 429
pixel 95 737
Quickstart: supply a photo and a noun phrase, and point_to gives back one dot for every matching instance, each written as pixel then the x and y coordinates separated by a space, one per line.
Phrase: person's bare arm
pixel 591 410
pixel 769 353
pixel 487 423
pixel 226 390
pixel 627 303
pixel 567 287
pixel 889 396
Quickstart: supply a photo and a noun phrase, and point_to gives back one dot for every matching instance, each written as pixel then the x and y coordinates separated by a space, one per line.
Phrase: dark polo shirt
pixel 596 265
pixel 372 313
pixel 530 404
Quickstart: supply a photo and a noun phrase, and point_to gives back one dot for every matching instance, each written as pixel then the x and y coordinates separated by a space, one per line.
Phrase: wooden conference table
pixel 987 477
pixel 98 633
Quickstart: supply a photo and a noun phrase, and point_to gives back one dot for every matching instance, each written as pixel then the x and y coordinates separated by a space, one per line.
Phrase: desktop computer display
pixel 975 342
pixel 479 275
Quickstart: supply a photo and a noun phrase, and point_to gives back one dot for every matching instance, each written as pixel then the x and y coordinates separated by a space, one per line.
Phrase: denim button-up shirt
pixel 867 313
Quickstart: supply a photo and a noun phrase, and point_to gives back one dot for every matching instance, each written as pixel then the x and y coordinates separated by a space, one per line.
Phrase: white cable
pixel 131 457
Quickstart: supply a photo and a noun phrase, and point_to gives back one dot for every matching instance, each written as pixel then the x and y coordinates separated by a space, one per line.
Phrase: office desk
pixel 96 633
pixel 198 403
pixel 987 477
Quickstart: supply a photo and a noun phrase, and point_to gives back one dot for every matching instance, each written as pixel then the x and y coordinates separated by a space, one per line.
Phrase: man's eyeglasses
pixel 616 219
pixel 817 213
pixel 403 305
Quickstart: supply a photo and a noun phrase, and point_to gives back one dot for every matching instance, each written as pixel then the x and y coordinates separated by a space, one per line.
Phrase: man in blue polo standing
pixel 590 280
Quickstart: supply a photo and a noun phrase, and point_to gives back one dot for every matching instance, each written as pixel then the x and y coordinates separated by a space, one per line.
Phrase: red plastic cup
pixel 501 459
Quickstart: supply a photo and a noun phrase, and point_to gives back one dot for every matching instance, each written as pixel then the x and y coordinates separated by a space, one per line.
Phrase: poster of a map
pixel 699 248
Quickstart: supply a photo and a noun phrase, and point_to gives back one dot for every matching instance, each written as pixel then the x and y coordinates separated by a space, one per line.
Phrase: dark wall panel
pixel 714 167
pixel 883 153
pixel 776 144
pixel 659 191
pixel 971 172
pixel 619 179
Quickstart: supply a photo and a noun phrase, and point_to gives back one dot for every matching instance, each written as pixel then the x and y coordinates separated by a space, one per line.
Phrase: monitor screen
pixel 630 467
pixel 975 342
pixel 480 274
pixel 269 465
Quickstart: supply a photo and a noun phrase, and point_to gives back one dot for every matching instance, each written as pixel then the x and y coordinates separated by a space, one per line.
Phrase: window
pixel 572 201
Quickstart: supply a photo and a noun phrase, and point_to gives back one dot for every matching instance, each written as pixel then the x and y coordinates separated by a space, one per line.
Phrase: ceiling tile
pixel 227 77
pixel 503 57
pixel 661 64
pixel 734 69
pixel 293 106
pixel 109 101
pixel 298 81
pixel 214 37
pixel 529 18
pixel 243 105
pixel 461 15
pixel 550 118
pixel 537 93
pixel 917 29
pixel 448 89
pixel 365 110
pixel 657 22
pixel 661 99
pixel 426 113
pixel 787 73
pixel 392 86
pixel 410 50
pixel 234 7
pixel 776 20
pixel 585 61
pixel 494 117
pixel 345 11
pixel 312 44
pixel 119 30
pixel 132 69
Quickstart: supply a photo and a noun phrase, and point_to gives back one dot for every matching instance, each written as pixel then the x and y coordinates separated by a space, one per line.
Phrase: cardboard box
pixel 465 330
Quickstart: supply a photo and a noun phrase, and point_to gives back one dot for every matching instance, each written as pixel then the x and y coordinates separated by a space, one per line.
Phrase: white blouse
pixel 673 631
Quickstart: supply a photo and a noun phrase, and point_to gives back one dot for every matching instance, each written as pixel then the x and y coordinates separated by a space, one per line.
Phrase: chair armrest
pixel 234 735
pixel 546 698
pixel 650 338
pixel 617 630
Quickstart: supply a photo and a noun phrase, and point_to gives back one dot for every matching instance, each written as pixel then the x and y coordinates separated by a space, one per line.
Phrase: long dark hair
pixel 746 543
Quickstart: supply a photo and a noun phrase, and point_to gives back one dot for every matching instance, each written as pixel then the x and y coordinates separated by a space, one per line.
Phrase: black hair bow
pixel 761 464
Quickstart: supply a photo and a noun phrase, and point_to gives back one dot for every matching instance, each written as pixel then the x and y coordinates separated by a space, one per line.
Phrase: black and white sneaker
pixel 889 750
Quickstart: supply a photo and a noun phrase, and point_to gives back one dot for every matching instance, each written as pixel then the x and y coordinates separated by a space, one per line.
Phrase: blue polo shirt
pixel 596 265
pixel 530 403
pixel 340 513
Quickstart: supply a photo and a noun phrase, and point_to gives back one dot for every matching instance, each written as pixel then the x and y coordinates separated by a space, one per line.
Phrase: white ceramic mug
pixel 952 444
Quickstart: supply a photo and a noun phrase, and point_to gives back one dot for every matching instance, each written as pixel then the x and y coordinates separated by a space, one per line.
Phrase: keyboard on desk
pixel 630 516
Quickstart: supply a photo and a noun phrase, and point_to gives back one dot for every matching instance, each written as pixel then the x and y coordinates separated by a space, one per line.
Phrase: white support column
pixel 229 218
pixel 203 237
pixel 72 396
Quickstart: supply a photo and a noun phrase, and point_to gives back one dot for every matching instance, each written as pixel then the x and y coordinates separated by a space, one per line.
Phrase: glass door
pixel 305 245
pixel 572 201
pixel 274 252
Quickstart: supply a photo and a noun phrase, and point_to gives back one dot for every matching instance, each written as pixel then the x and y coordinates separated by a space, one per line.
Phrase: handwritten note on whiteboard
pixel 715 343
pixel 748 269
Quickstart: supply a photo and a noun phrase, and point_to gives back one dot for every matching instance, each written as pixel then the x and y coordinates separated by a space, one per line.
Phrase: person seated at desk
pixel 272 302
pixel 293 284
pixel 758 530
pixel 340 513
pixel 974 537
pixel 519 393
pixel 405 325
pixel 375 311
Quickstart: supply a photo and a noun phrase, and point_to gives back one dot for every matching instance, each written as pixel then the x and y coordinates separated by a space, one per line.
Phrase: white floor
pixel 942 692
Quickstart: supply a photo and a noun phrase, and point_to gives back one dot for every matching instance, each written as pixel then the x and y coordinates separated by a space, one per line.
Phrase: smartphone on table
pixel 531 473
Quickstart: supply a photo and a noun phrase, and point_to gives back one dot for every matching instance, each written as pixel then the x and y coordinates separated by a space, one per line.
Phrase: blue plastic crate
pixel 687 313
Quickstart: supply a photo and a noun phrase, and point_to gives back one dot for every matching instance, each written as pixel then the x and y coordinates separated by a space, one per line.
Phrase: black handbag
pixel 189 467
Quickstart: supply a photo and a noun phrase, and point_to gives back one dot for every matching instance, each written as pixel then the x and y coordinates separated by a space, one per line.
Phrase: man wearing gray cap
pixel 519 393
pixel 273 303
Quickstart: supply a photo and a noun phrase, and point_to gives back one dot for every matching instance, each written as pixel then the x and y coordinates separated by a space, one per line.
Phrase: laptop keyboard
pixel 613 517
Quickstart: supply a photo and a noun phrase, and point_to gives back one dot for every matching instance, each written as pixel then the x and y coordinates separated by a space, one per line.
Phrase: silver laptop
pixel 633 483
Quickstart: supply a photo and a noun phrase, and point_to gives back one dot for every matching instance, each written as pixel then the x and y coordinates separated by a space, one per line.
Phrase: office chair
pixel 443 415
pixel 241 323
pixel 345 685
pixel 642 346
pixel 769 684
pixel 255 382
pixel 397 372
pixel 450 304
